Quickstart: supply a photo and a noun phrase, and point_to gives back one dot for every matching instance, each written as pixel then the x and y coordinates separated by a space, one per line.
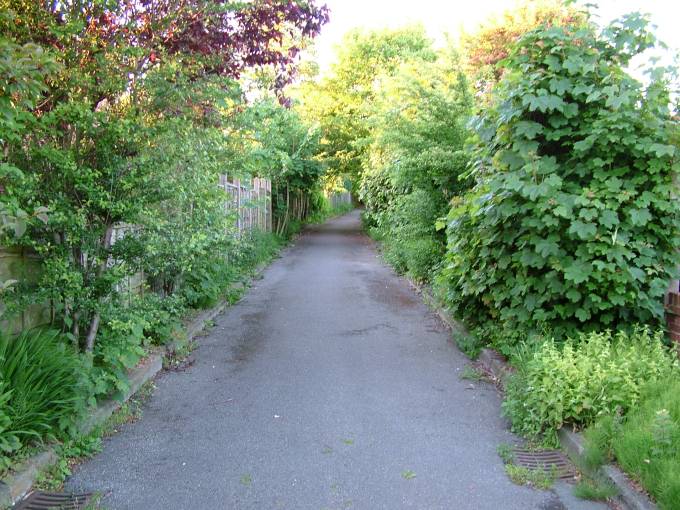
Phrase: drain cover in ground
pixel 52 500
pixel 550 461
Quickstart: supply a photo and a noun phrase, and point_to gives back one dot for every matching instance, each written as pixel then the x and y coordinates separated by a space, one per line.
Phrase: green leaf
pixel 613 184
pixel 582 315
pixel 584 145
pixel 583 230
pixel 573 295
pixel 546 247
pixel 559 85
pixel 573 64
pixel 637 273
pixel 578 272
pixel 640 217
pixel 528 128
pixel 609 218
pixel 544 103
pixel 554 181
pixel 662 150
pixel 582 88
pixel 19 226
pixel 553 63
pixel 513 182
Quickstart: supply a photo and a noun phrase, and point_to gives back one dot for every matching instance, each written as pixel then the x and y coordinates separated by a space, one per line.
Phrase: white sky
pixel 441 16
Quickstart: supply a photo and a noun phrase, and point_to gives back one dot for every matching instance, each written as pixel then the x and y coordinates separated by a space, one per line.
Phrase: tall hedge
pixel 573 222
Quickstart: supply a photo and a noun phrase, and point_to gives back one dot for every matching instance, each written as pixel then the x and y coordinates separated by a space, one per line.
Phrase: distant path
pixel 329 386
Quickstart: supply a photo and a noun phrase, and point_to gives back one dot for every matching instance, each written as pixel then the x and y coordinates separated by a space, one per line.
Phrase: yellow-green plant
pixel 593 375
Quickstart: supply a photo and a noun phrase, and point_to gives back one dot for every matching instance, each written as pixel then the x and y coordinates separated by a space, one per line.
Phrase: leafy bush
pixel 572 223
pixel 407 231
pixel 415 160
pixel 645 442
pixel 211 277
pixel 260 248
pixel 203 286
pixel 121 345
pixel 575 383
pixel 161 316
pixel 43 390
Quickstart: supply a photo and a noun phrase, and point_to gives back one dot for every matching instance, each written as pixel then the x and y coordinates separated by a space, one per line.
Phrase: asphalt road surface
pixel 329 386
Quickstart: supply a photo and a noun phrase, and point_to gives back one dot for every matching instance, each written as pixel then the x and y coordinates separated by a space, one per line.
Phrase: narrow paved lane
pixel 329 386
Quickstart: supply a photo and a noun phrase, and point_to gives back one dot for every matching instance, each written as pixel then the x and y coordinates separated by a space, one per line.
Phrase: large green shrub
pixel 43 390
pixel 415 161
pixel 572 223
pixel 575 383
pixel 407 230
pixel 646 442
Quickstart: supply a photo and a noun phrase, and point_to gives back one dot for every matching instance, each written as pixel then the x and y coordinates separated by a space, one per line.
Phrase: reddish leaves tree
pixel 222 36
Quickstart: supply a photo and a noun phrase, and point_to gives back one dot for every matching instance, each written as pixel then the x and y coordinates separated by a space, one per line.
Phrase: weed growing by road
pixel 408 475
pixel 70 454
pixel 179 358
pixel 589 489
pixel 505 452
pixel 470 345
pixel 532 477
pixel 472 373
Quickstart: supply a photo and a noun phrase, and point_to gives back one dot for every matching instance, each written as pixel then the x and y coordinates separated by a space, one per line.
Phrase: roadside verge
pixel 571 442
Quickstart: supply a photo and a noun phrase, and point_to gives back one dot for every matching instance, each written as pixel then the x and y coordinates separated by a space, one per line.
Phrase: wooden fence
pixel 338 199
pixel 252 198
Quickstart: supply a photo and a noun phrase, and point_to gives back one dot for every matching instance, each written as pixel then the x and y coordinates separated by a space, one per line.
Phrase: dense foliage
pixel 575 383
pixel 285 148
pixel 43 385
pixel 416 159
pixel 549 215
pixel 117 121
pixel 392 114
pixel 572 223
pixel 128 139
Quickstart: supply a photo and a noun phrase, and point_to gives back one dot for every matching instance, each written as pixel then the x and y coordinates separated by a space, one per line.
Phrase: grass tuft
pixel 588 489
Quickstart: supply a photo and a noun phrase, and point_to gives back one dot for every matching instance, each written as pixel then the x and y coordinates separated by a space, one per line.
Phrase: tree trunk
pixel 96 318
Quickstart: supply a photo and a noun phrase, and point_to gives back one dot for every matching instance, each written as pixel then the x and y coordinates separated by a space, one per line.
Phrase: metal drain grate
pixel 39 500
pixel 550 461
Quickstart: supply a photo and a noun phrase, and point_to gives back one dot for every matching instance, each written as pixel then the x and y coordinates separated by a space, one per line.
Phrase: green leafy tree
pixel 23 70
pixel 342 101
pixel 572 223
pixel 416 158
pixel 283 147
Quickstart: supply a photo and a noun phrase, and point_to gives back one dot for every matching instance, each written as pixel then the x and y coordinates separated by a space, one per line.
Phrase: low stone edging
pixel 572 443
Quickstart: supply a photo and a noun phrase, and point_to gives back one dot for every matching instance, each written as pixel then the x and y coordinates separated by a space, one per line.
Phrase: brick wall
pixel 673 315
